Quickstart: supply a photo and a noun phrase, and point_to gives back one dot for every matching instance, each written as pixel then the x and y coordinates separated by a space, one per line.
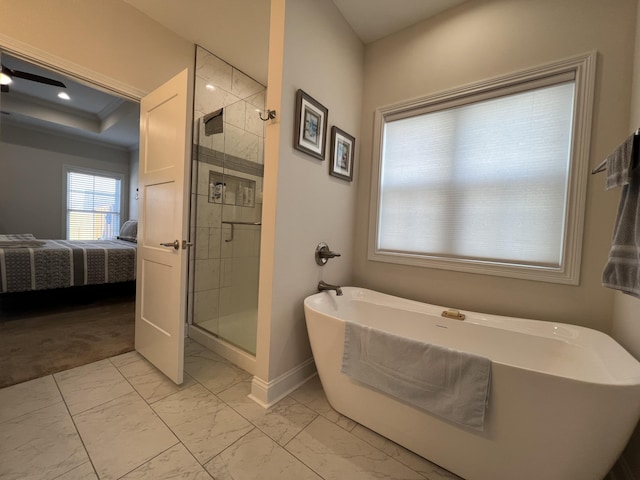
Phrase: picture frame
pixel 310 134
pixel 342 154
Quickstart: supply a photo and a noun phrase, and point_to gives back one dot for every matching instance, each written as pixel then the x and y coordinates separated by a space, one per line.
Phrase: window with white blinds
pixel 93 204
pixel 486 181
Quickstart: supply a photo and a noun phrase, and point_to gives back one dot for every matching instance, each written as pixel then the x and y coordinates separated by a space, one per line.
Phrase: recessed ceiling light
pixel 5 79
pixel 64 96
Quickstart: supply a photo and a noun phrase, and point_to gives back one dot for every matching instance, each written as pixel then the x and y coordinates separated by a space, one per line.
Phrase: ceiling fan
pixel 7 75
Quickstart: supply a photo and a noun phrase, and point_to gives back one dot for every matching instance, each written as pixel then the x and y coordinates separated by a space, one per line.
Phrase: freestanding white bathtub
pixel 563 403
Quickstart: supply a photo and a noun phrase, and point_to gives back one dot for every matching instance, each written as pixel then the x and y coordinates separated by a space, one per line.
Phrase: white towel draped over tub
pixel 443 381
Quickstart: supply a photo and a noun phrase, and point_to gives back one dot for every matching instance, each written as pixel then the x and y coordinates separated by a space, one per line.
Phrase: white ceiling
pixel 235 30
pixel 90 113
pixel 238 30
pixel 384 17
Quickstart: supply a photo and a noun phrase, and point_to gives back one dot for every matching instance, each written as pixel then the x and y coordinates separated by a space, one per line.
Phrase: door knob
pixel 175 244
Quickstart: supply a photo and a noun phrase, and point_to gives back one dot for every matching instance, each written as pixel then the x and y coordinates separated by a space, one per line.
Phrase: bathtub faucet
pixel 322 287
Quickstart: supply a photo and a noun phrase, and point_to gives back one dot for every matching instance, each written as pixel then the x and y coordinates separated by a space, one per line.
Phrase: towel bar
pixel 238 223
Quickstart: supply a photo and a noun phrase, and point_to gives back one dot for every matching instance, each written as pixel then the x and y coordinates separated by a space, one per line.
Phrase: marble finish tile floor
pixel 121 419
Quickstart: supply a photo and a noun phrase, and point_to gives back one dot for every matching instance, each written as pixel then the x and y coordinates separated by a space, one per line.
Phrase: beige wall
pixel 626 309
pixel 322 56
pixel 31 177
pixel 626 322
pixel 480 40
pixel 133 184
pixel 626 330
pixel 109 41
pixel 108 37
pixel 626 312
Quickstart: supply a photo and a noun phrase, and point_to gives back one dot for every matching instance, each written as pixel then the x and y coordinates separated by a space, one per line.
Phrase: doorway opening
pixel 50 121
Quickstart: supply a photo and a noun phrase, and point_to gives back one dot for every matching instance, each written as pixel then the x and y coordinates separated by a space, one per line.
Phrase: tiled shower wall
pixel 224 274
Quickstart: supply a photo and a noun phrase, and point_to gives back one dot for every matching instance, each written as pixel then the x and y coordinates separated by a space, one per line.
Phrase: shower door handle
pixel 175 244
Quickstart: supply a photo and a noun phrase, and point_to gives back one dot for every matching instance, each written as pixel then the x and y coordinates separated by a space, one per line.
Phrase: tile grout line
pixel 294 455
pixel 350 432
pixel 228 447
pixel 179 441
pixel 284 447
pixel 156 415
pixel 320 415
pixel 316 414
pixel 100 404
pixel 254 426
pixel 151 459
pixel 150 405
pixel 393 458
pixel 120 396
pixel 37 409
pixel 75 426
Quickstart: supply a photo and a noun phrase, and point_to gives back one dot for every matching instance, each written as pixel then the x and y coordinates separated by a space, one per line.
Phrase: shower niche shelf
pixel 230 190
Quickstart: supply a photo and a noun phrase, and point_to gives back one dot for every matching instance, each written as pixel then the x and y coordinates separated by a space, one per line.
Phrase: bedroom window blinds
pixel 93 205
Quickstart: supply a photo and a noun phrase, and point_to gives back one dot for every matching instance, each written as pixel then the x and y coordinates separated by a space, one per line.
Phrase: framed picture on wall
pixel 310 134
pixel 342 150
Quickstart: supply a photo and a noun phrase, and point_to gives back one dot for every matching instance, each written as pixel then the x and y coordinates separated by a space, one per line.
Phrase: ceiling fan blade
pixel 33 77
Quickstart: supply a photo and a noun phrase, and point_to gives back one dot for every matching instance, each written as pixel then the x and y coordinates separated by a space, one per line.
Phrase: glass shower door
pixel 240 263
pixel 227 194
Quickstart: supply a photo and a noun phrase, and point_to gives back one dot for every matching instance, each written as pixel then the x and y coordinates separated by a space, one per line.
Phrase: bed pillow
pixel 16 236
pixel 129 231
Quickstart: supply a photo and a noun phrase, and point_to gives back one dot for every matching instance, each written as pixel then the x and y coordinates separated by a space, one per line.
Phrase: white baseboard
pixel 267 394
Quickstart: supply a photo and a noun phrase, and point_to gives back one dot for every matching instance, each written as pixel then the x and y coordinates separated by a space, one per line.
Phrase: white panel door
pixel 161 291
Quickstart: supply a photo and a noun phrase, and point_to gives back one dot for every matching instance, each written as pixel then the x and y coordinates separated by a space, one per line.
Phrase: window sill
pixel 559 275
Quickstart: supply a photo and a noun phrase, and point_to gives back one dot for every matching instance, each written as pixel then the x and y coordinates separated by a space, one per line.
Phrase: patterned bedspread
pixel 65 263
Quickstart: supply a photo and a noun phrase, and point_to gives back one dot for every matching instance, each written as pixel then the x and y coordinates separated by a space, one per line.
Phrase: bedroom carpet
pixel 39 336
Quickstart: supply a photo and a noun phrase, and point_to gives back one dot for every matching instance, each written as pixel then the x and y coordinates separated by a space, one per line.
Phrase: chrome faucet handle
pixel 324 253
pixel 328 254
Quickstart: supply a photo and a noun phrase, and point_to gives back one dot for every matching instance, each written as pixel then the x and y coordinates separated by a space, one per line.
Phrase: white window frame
pixel 66 169
pixel 583 68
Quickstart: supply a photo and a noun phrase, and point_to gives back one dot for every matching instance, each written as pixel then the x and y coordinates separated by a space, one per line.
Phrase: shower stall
pixel 226 202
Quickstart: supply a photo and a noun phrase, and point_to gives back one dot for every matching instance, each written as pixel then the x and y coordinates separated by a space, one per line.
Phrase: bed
pixel 30 264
